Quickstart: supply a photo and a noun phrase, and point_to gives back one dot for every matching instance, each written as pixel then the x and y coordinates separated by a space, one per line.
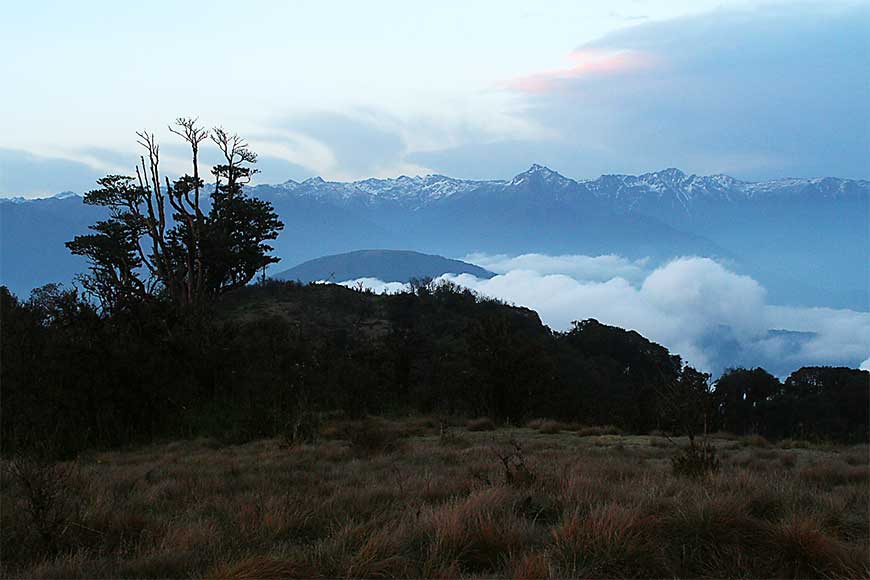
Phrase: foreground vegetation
pixel 412 498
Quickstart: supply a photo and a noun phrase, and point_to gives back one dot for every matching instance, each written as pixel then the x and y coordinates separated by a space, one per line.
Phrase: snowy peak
pixel 654 192
pixel 65 195
pixel 539 175
pixel 668 190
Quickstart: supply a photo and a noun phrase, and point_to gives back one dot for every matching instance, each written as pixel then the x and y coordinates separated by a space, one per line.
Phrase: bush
pixel 609 541
pixel 551 427
pixel 536 423
pixel 45 488
pixel 371 437
pixel 450 438
pixel 696 460
pixel 302 427
pixel 794 444
pixel 597 430
pixel 754 441
pixel 481 424
pixel 516 470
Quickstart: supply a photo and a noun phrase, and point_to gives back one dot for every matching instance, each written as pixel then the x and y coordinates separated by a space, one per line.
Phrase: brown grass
pixel 480 424
pixel 597 430
pixel 423 508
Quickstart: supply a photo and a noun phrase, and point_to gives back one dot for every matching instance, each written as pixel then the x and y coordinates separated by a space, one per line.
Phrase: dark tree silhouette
pixel 159 242
pixel 742 398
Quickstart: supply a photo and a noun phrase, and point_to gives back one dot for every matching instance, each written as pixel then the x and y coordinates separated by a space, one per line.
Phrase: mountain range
pixel 805 240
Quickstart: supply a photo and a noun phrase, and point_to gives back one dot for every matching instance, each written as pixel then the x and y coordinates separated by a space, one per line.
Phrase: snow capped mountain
pixel 407 191
pixel 61 195
pixel 669 189
pixel 805 240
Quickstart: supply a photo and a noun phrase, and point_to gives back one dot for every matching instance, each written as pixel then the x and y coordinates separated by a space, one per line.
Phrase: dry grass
pixel 597 430
pixel 605 506
pixel 481 424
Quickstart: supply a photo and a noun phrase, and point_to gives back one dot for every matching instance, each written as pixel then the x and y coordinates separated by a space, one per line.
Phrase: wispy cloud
pixel 584 63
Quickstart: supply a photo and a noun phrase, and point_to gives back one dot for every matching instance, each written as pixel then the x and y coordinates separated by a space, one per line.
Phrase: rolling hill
pixel 385 265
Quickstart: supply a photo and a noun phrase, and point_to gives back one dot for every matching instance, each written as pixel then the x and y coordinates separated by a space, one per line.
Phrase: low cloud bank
pixel 694 306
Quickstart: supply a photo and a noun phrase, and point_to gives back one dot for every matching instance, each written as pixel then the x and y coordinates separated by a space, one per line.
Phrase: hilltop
pixel 385 265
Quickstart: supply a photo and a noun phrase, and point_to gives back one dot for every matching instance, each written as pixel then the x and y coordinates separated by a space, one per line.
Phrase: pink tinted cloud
pixel 585 63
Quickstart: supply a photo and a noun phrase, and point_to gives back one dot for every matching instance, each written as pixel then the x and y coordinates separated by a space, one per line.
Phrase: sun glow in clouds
pixel 584 63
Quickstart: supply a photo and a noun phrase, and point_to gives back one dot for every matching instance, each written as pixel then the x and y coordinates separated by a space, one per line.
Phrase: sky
pixel 483 89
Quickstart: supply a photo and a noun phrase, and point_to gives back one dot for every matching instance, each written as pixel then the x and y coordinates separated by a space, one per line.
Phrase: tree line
pixel 244 368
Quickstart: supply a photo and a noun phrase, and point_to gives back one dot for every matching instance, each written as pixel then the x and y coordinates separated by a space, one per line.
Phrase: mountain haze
pixel 805 240
pixel 385 265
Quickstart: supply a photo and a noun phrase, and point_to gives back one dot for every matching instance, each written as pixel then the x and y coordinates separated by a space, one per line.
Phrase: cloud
pixel 756 93
pixel 371 142
pixel 27 174
pixel 596 268
pixel 696 307
pixel 585 63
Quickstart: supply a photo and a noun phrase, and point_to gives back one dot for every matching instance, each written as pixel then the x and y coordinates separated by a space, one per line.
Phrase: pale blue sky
pixel 474 89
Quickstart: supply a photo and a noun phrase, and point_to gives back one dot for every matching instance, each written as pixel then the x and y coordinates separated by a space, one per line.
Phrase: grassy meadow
pixel 410 498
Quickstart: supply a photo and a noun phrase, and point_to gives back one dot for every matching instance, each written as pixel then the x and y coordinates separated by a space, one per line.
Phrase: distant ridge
pixel 385 265
pixel 806 240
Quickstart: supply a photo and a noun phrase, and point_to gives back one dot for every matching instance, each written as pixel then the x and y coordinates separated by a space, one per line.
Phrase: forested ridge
pixel 250 364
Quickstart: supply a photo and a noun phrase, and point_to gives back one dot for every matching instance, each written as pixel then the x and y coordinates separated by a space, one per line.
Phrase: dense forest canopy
pixel 246 366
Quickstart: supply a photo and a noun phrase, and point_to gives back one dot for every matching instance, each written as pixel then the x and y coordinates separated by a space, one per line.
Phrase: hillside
pixel 385 265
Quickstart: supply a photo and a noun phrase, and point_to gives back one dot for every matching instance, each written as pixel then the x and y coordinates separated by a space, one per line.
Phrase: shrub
pixel 530 567
pixel 765 453
pixel 302 427
pixel 551 427
pixel 709 536
pixel 609 541
pixel 481 424
pixel 474 534
pixel 535 423
pixel 858 455
pixel 259 567
pixel 754 441
pixel 696 460
pixel 371 437
pixel 516 471
pixel 450 438
pixel 597 430
pixel 794 444
pixel 830 472
pixel 45 489
pixel 802 550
